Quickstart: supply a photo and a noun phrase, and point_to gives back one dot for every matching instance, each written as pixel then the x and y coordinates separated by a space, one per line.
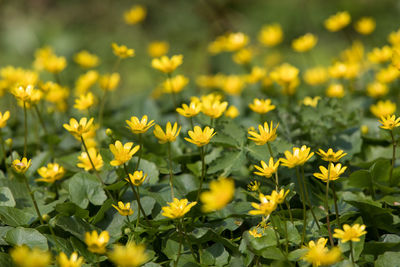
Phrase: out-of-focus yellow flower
pixel 73 261
pixel 304 43
pixel 286 76
pixel 265 208
pixel 158 48
pixel 167 65
pixel 51 173
pixel 387 75
pixel 177 208
pixel 232 112
pixel 97 243
pixel 14 77
pixel 27 94
pixel 265 134
pixel 350 233
pixel 57 95
pixel 86 59
pixel 319 255
pixel 394 38
pixel 23 256
pixel 254 186
pixel 338 70
pixel 189 111
pixel 41 55
pixel 316 76
pixel 55 64
pixel 85 101
pixel 254 233
pixel 200 137
pixel 298 158
pixel 122 153
pixel 380 55
pixel 377 89
pixel 270 35
pixel 137 178
pixel 335 90
pixel 365 25
pixel 383 108
pixel 267 170
pixel 84 161
pixel 4 118
pixel 210 81
pixel 261 106
pixel 109 82
pixel 364 129
pixel 135 14
pixel 236 41
pixel 122 51
pixel 170 134
pixel 175 84
pixel 130 255
pixel 278 197
pixel 311 101
pixel 233 84
pixel 389 122
pixel 396 58
pixel 355 53
pixel 331 156
pixel 353 70
pixel 243 56
pixel 123 209
pixel 21 166
pixel 212 106
pixel 256 74
pixel 334 172
pixel 77 129
pixel 139 126
pixel 85 81
pixel 338 21
pixel 220 194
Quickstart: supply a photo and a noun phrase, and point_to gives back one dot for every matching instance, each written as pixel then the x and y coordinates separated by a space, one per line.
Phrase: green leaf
pixel 219 254
pixel 26 236
pixel 6 197
pixel 84 188
pixel 5 259
pixel 74 225
pixel 3 232
pixel 15 217
pixel 227 163
pixel 388 259
pixel 70 209
pixel 186 183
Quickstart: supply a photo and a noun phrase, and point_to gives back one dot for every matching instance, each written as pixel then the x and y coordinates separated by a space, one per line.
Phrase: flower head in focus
pixel 332 173
pixel 139 126
pixel 297 158
pixel 254 186
pixel 350 233
pixel 389 122
pixel 331 156
pixel 261 106
pixel 177 208
pixel 265 134
pixel 135 14
pixel 137 178
pixel 190 110
pixel 170 134
pixel 78 129
pixel 21 166
pixel 51 173
pixel 130 255
pixel 212 106
pixel 84 161
pixel 167 65
pixel 123 209
pixel 267 170
pixel 122 51
pixel 265 208
pixel 97 242
pixel 122 153
pixel 200 137
pixel 278 197
pixel 220 194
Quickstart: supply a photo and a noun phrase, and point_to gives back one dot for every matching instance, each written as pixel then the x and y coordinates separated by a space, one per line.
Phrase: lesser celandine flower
pixel 86 59
pixel 316 76
pixel 232 112
pixel 334 172
pixel 23 256
pixel 338 21
pixel 396 58
pixel 21 166
pixel 284 74
pixel 319 255
pixel 73 261
pixel 265 134
pixel 267 170
pixel 380 55
pixel 3 118
pixel 55 64
pixel 331 156
pixel 389 122
pixel 97 242
pixel 78 129
pixel 394 38
pixel 158 48
pixel 139 126
pixel 265 208
pixel 84 161
pixel 26 94
pixel 212 106
pixel 200 137
pixel 123 209
pixel 190 110
pixel 243 56
pixel 254 186
pixel 270 35
pixel 175 84
pixel 261 106
pixel 167 65
pixel 122 51
pixel 236 41
pixel 256 74
pixel 311 101
pixel 377 89
pixel 254 233
pixel 177 208
pixel 51 173
pixel 297 158
pixel 338 70
pixel 233 84
pixel 137 178
pixel 170 134
pixel 130 255
pixel 350 233
pixel 86 81
pixel 85 101
pixel 109 82
pixel 304 43
pixel 220 194
pixel 387 75
pixel 335 90
pixel 278 197
pixel 383 108
pixel 365 25
pixel 122 153
pixel 135 14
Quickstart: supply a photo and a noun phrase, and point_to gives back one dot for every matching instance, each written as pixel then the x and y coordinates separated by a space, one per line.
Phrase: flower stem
pixel 41 119
pixel 171 174
pixel 276 173
pixel 188 241
pixel 203 172
pixel 138 217
pixel 26 129
pixel 304 205
pixel 393 158
pixel 336 205
pixel 286 232
pixel 308 198
pixel 328 223
pixel 179 248
pixel 278 245
pixel 290 211
pixel 3 147
pixel 33 200
pixel 140 151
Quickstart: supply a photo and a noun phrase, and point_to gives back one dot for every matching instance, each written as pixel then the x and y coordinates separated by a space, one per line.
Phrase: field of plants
pixel 199 133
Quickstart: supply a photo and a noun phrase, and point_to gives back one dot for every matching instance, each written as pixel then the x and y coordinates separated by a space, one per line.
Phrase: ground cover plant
pixel 280 151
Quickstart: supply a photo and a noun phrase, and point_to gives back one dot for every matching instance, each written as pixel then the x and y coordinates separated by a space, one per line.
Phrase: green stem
pixel 188 241
pixel 33 199
pixel 278 245
pixel 276 173
pixel 171 174
pixel 26 129
pixel 290 211
pixel 304 205
pixel 41 119
pixel 140 152
pixel 101 105
pixel 180 246
pixel 336 205
pixel 308 198
pixel 138 217
pixel 351 253
pixel 286 232
pixel 393 158
pixel 203 172
pixel 3 147
pixel 328 223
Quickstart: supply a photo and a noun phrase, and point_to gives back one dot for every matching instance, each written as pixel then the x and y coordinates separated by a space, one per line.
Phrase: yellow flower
pixel 285 74
pixel 254 186
pixel 85 81
pixel 394 38
pixel 254 233
pixel 41 55
pixel 243 56
pixel 387 75
pixel 192 110
pixel 271 35
pixel 177 208
pixel 210 81
pixel 130 255
pixel 170 134
pixel 364 129
pixel 220 194
pixel 266 134
pixel 122 153
pixel 123 209
pixel 85 101
pixel 304 43
pixel 236 41
pixel 389 122
pixel 311 101
pixel 167 65
pixel 58 95
pixel 355 53
pixel 21 166
pixel 55 64
pixel 331 156
pixel 97 243
pixel 79 129
pixel 350 233
pixel 200 137
pixel 335 90
pixel 109 82
pixel 27 94
pixel 212 106
pixel 51 173
pixel 122 51
pixel 338 21
pixel 232 112
pixel 377 89
pixel 158 48
pixel 135 15
pixel 338 70
pixel 365 25
pixel 23 256
pixel 3 118
pixel 396 58
pixel 137 178
pixel 85 162
pixel 73 261
pixel 380 55
pixel 316 76
pixel 261 106
pixel 256 75
pixel 278 197
pixel 233 84
pixel 299 157
pixel 267 170
pixel 265 208
pixel 86 59
pixel 383 108
pixel 139 126
pixel 319 255
pixel 175 84
pixel 334 172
